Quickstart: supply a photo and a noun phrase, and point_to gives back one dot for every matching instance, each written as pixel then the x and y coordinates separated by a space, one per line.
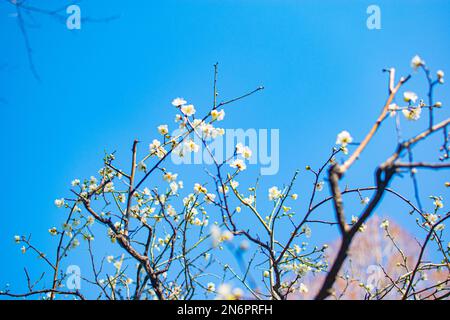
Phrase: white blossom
pixel 239 164
pixel 109 187
pixel 274 193
pixel 59 202
pixel 218 115
pixel 412 114
pixel 177 102
pixel 245 151
pixel 53 231
pixel 169 176
pixel 191 146
pixel 384 224
pixel 211 287
pixel 210 197
pixel 344 138
pixel 188 110
pixel 303 288
pixel 416 62
pixel 142 166
pixel 410 96
pixel 163 129
pixel 173 187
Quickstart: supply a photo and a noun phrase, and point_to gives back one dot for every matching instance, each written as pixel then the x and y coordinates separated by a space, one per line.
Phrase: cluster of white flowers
pixel 432 218
pixel 156 149
pixel 248 200
pixel 109 187
pixel 303 288
pixel 244 151
pixel 412 112
pixel 300 269
pixel 417 62
pixel 226 292
pixel 363 226
pixel 274 193
pixel 437 202
pixel 218 236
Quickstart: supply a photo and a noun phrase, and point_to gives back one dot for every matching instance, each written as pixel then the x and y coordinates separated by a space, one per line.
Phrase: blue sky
pixel 109 83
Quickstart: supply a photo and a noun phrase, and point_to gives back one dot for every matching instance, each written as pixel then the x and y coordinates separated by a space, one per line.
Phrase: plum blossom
pixel 109 187
pixel 191 146
pixel 303 288
pixel 188 110
pixel 218 115
pixel 178 102
pixel 412 114
pixel 249 200
pixel 157 149
pixel 169 176
pixel 59 202
pixel 245 151
pixel 410 96
pixel 437 202
pixel 274 193
pixel 440 76
pixel 142 166
pixel 163 129
pixel 392 108
pixel 53 231
pixel 344 138
pixel 198 188
pixel 218 236
pixel 173 187
pixel 239 164
pixel 417 62
pixel 211 287
pixel 384 224
pixel 210 197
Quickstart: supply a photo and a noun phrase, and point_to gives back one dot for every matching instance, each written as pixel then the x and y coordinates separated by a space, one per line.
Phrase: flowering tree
pixel 173 243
